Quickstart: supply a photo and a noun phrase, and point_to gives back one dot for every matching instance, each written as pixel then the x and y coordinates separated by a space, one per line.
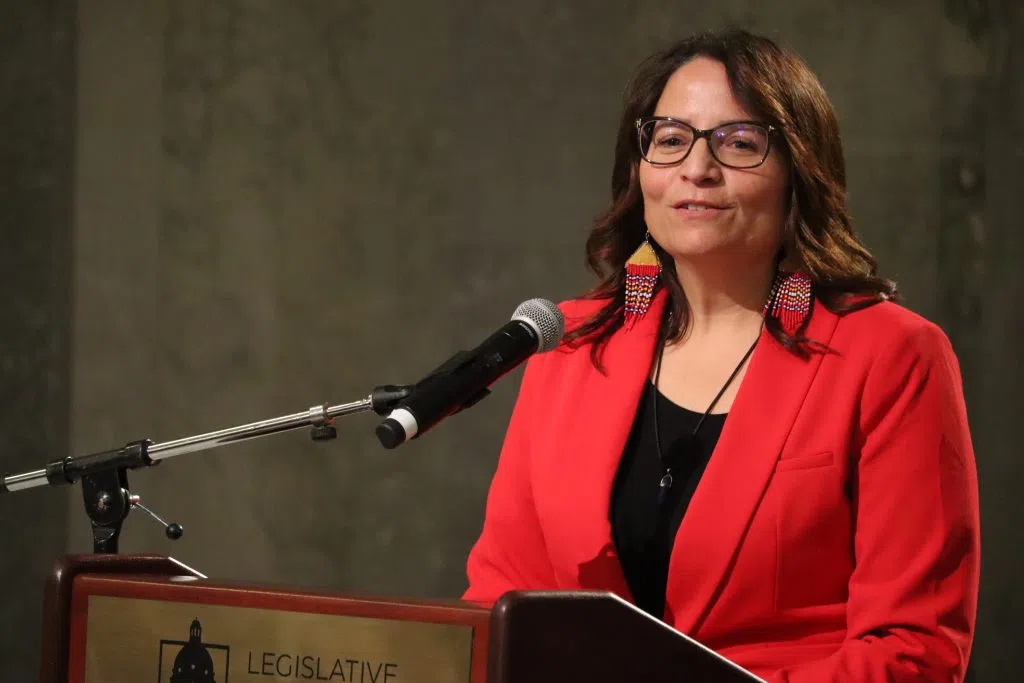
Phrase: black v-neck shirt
pixel 644 533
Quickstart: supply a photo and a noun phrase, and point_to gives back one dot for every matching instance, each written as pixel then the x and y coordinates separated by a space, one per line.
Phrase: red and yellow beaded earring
pixel 642 272
pixel 790 300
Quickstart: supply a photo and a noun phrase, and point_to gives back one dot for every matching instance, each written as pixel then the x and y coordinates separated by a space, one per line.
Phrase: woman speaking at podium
pixel 743 433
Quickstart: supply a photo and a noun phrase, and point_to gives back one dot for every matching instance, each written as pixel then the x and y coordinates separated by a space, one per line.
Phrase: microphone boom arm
pixel 104 474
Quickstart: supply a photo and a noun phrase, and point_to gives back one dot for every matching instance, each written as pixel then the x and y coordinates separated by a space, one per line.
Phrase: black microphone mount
pixel 104 475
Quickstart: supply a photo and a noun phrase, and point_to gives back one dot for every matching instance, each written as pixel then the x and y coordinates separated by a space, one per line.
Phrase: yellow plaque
pixel 137 641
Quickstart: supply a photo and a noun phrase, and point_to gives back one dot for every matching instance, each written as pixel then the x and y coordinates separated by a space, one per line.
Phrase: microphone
pixel 536 326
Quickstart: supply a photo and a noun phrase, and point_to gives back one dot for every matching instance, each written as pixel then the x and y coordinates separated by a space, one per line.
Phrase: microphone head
pixel 546 320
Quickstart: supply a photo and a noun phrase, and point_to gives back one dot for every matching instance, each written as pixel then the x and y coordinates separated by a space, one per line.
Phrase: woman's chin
pixel 706 245
pixel 700 249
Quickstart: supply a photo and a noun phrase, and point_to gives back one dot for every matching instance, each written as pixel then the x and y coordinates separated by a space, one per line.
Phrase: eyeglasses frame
pixel 698 133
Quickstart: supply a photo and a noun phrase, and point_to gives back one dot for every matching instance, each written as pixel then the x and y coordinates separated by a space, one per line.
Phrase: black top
pixel 643 532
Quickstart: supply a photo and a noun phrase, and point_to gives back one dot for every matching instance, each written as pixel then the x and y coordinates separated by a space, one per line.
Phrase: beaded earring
pixel 642 272
pixel 790 300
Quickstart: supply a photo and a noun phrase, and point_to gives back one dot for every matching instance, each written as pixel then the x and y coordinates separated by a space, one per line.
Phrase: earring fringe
pixel 643 269
pixel 790 301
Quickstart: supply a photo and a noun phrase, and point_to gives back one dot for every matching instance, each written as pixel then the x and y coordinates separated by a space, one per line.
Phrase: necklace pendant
pixel 664 486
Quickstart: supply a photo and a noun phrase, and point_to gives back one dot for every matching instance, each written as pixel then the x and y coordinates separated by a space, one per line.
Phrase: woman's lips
pixel 699 211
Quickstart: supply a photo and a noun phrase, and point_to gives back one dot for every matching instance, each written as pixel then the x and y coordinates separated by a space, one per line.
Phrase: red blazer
pixel 834 535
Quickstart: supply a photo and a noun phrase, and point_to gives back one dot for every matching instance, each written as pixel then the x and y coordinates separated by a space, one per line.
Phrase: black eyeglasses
pixel 665 141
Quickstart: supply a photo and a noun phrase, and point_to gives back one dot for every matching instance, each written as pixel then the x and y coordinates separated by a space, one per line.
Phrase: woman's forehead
pixel 699 93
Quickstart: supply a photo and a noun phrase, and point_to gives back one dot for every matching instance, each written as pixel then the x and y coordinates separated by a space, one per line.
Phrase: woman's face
pixel 700 207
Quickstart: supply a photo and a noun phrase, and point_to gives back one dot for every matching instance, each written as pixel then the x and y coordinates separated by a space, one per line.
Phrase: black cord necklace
pixel 666 481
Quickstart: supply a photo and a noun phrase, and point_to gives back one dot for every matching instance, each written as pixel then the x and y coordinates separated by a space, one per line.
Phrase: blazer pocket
pixel 804 462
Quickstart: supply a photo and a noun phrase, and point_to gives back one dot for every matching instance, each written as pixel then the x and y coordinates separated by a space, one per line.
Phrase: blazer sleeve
pixel 913 592
pixel 510 553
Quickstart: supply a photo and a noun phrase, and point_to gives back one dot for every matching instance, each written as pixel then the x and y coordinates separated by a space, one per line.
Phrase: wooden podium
pixel 143 619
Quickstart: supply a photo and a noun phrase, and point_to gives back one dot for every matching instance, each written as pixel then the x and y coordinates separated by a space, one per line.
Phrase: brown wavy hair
pixel 818 239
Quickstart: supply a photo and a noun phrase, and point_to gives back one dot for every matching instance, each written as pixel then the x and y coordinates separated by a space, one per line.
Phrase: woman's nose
pixel 700 166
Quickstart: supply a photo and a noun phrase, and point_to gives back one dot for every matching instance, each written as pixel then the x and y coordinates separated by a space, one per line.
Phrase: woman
pixel 741 340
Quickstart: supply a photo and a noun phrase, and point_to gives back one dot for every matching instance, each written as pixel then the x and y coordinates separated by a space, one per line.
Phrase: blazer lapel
pixel 606 408
pixel 731 488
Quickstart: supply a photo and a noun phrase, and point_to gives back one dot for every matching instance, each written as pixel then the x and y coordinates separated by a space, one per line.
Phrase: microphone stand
pixel 104 475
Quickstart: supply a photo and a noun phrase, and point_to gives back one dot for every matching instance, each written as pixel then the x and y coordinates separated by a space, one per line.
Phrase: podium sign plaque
pixel 134 641
pixel 136 629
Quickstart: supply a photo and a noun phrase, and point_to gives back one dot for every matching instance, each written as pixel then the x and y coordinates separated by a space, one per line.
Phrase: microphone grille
pixel 546 320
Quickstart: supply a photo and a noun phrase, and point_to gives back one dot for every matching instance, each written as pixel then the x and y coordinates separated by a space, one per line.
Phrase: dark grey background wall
pixel 266 205
pixel 37 105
